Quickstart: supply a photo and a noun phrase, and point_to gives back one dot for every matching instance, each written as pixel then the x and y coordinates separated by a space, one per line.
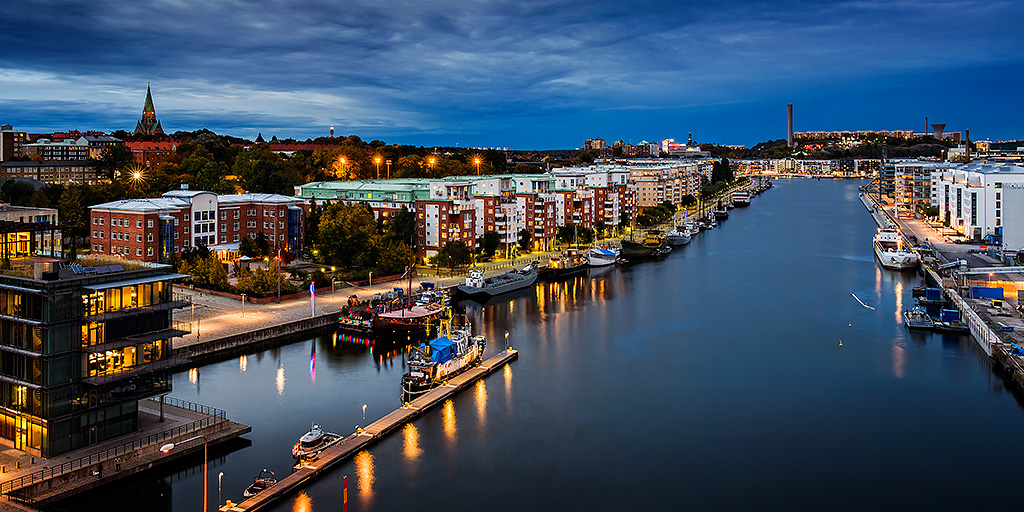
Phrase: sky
pixel 521 74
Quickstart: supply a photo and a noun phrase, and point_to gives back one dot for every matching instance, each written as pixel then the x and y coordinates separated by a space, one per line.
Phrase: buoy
pixel 851 324
pixel 840 343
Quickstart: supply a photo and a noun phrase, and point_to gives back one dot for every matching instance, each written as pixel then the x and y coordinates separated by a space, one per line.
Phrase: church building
pixel 149 125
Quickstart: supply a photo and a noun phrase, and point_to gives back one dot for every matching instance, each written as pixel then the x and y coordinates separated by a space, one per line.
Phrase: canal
pixel 739 373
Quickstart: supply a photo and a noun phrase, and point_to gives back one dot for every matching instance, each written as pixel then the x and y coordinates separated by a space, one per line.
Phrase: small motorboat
pixel 952 327
pixel 313 442
pixel 918 318
pixel 264 479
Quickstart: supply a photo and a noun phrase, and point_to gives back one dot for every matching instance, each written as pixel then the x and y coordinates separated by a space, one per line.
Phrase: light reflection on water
pixel 243 362
pixel 448 420
pixel 411 442
pixel 279 380
pixel 364 472
pixel 303 503
pixel 481 402
pixel 507 374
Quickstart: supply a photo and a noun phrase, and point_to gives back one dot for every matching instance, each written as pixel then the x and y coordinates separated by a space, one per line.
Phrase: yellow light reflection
pixel 481 402
pixel 303 503
pixel 899 361
pixel 411 446
pixel 508 387
pixel 448 418
pixel 899 302
pixel 193 376
pixel 280 380
pixel 364 472
pixel 243 362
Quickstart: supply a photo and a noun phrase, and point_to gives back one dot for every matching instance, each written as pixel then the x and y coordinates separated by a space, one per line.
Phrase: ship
pixel 570 262
pixel 451 353
pixel 889 250
pixel 313 442
pixel 741 198
pixel 410 322
pixel 478 285
pixel 653 245
pixel 603 256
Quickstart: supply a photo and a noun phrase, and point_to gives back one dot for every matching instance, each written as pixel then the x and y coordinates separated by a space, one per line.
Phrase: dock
pixel 347 448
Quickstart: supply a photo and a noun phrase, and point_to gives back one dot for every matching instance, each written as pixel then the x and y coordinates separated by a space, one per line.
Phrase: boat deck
pixel 373 432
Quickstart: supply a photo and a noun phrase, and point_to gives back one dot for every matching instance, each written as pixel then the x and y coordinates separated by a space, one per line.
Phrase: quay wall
pixel 262 337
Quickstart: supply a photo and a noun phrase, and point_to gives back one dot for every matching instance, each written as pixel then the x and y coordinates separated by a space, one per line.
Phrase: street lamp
pixel 476 162
pixel 343 162
pixel 389 168
pixel 243 305
pixel 206 460
pixel 432 160
pixel 376 160
pixel 220 477
pixel 364 417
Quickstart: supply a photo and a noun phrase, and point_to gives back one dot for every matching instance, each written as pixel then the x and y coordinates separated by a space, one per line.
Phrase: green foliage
pixel 930 211
pixel 453 254
pixel 402 227
pixel 114 159
pixel 571 233
pixel 248 247
pixel 525 240
pixel 17 192
pixel 687 200
pixel 263 171
pixel 393 257
pixel 206 271
pixel 721 172
pixel 71 213
pixel 347 235
pixel 656 215
pixel 487 244
pixel 264 282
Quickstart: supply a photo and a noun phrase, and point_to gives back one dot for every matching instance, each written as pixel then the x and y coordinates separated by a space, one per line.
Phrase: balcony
pixel 135 371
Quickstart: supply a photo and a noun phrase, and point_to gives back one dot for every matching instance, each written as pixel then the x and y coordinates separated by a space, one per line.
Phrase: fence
pixel 979 329
pixel 213 416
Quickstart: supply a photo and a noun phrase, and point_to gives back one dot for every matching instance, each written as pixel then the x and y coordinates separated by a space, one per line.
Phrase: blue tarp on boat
pixel 604 251
pixel 950 315
pixel 933 293
pixel 442 350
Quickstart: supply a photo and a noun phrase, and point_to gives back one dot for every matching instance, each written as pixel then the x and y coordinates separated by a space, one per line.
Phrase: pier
pixel 373 432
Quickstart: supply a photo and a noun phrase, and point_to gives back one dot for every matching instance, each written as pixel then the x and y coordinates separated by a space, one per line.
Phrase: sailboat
pixel 677 236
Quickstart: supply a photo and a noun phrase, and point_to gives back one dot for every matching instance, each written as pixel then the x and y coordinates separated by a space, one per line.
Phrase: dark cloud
pixel 482 73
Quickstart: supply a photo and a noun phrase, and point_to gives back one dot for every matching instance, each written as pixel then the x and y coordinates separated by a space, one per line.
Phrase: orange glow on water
pixel 448 418
pixel 481 402
pixel 364 472
pixel 411 445
pixel 303 503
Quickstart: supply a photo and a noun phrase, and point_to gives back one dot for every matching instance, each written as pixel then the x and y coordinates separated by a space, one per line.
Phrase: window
pixel 224 215
pixel 186 217
pixel 149 237
pixel 266 225
pixel 138 223
pixel 149 223
pixel 234 227
pixel 280 225
pixel 223 238
pixel 235 214
pixel 280 213
pixel 138 237
pixel 234 237
pixel 185 230
pixel 149 251
pixel 223 227
pixel 281 237
pixel 95 220
pixel 176 235
pixel 250 224
pixel 252 235
pixel 251 212
pixel 138 251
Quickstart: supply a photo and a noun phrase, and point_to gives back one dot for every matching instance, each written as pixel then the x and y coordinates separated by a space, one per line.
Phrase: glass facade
pixel 78 352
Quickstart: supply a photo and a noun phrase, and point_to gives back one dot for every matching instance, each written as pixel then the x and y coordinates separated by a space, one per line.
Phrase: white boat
pixel 741 198
pixel 692 229
pixel 602 256
pixel 313 442
pixel 451 353
pixel 677 237
pixel 890 253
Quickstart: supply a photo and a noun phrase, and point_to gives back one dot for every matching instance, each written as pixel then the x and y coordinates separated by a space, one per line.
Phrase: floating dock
pixel 373 432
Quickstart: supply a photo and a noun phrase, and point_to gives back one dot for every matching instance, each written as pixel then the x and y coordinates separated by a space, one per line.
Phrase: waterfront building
pixel 78 172
pixel 971 197
pixel 149 125
pixel 910 184
pixel 81 346
pixel 153 229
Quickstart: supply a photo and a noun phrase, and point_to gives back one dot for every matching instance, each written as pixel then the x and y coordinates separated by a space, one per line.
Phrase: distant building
pixel 593 144
pixel 149 125
pixel 81 172
pixel 11 142
pixel 971 195
pixel 27 243
pixel 154 152
pixel 678 149
pixel 153 229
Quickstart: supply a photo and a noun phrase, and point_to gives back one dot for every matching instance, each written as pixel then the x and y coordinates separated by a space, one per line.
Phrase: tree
pixel 402 227
pixel 347 235
pixel 393 257
pixel 39 199
pixel 263 244
pixel 17 192
pixel 487 244
pixel 113 159
pixel 525 240
pixel 453 254
pixel 72 214
pixel 248 247
pixel 721 172
pixel 206 271
pixel 263 171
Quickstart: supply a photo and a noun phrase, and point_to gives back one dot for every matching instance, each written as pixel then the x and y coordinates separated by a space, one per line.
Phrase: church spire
pixel 148 107
pixel 149 125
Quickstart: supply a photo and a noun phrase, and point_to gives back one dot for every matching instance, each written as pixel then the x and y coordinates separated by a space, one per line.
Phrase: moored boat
pixel 602 256
pixel 653 241
pixel 570 262
pixel 918 318
pixel 451 353
pixel 477 284
pixel 890 253
pixel 741 198
pixel 720 212
pixel 264 479
pixel 409 322
pixel 313 442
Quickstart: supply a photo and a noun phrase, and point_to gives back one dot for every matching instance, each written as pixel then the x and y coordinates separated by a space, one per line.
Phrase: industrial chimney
pixel 937 129
pixel 789 136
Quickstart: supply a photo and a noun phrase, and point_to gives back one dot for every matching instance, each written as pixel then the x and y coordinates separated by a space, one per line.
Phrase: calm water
pixel 739 374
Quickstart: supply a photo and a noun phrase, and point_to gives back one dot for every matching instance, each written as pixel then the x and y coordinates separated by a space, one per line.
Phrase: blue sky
pixel 526 74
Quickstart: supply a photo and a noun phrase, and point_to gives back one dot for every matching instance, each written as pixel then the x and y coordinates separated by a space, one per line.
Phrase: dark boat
pixel 570 262
pixel 263 480
pixel 451 353
pixel 356 317
pixel 653 242
pixel 720 212
pixel 410 322
pixel 478 285
pixel 918 318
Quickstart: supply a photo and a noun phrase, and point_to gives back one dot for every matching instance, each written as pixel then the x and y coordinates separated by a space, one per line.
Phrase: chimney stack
pixel 967 144
pixel 789 133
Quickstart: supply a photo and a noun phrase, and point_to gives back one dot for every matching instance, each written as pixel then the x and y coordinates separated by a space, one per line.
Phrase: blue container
pixel 933 293
pixel 950 315
pixel 986 292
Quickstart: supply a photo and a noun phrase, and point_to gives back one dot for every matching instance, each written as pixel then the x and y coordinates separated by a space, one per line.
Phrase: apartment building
pixel 78 172
pixel 972 197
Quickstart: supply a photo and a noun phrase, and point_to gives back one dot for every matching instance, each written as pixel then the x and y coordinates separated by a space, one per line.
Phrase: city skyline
pixel 528 75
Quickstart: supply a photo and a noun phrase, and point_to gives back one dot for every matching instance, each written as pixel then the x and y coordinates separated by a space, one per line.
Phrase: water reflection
pixel 481 403
pixel 899 361
pixel 448 419
pixel 243 362
pixel 303 503
pixel 507 374
pixel 279 380
pixel 899 302
pixel 411 442
pixel 364 472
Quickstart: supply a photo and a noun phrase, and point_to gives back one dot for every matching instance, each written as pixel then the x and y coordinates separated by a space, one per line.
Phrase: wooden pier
pixel 373 432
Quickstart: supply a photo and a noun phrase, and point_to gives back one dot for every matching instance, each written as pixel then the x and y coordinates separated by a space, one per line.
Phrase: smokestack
pixel 938 129
pixel 926 125
pixel 967 144
pixel 789 136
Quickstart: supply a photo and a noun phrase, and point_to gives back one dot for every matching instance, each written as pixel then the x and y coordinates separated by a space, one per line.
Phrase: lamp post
pixel 343 162
pixel 376 161
pixel 364 418
pixel 476 162
pixel 371 279
pixel 206 460
pixel 243 305
pixel 220 477
pixel 388 162
pixel 432 160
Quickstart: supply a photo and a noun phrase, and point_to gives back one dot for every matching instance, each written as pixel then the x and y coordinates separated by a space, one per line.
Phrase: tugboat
pixel 356 317
pixel 263 480
pixel 451 353
pixel 918 318
pixel 570 262
pixel 312 443
pixel 651 246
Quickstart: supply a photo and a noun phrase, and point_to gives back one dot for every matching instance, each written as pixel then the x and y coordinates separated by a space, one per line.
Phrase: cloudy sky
pixel 525 74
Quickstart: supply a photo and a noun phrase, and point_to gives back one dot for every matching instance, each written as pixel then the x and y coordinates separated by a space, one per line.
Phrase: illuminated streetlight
pixel 389 168
pixel 376 160
pixel 170 446
pixel 432 161
pixel 476 162
pixel 364 417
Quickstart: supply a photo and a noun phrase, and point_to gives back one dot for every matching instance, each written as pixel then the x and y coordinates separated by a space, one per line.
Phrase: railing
pixel 979 329
pixel 213 417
